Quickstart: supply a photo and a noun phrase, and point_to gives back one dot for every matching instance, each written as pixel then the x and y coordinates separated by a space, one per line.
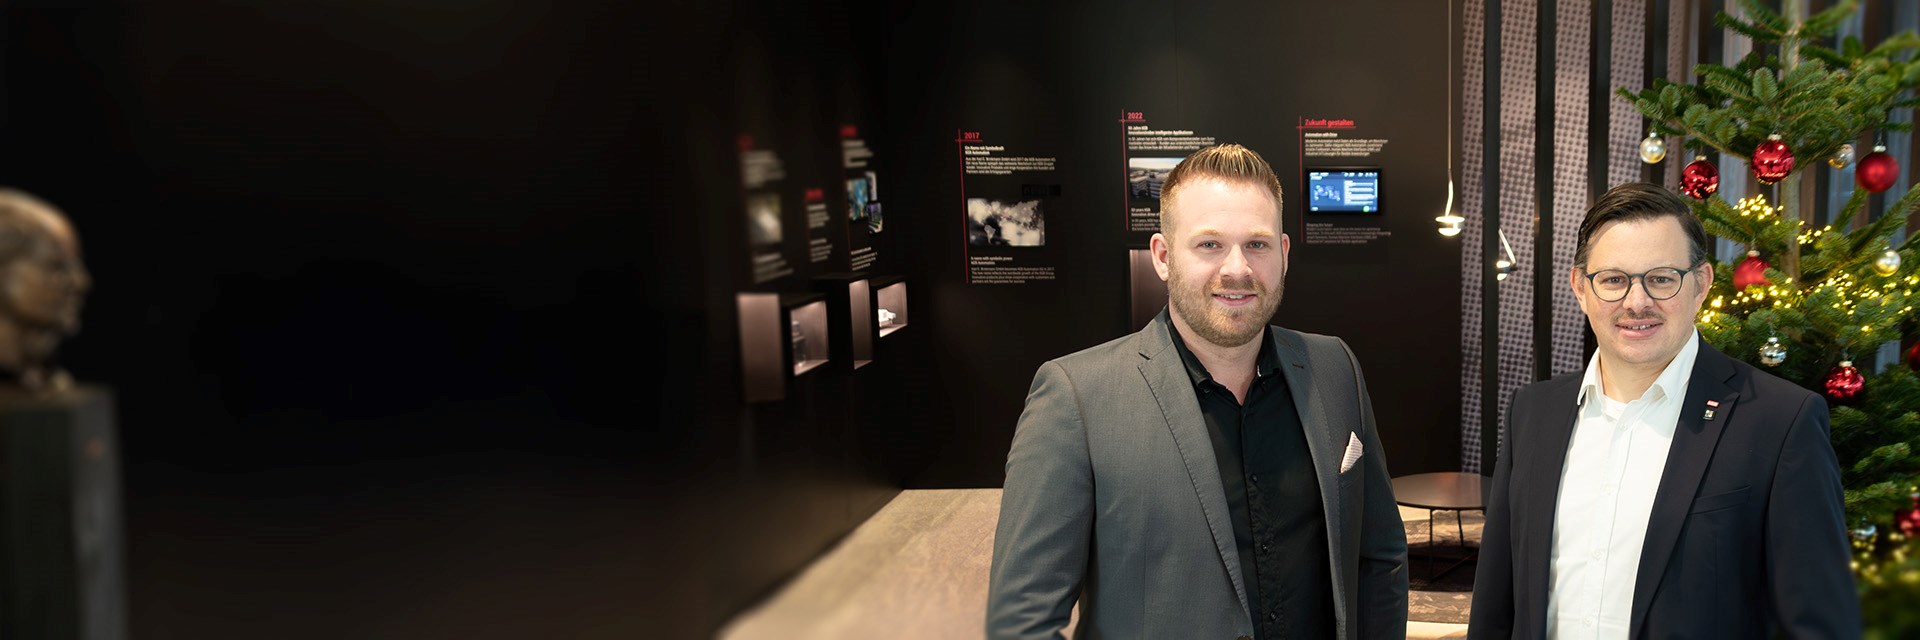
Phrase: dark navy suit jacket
pixel 1747 537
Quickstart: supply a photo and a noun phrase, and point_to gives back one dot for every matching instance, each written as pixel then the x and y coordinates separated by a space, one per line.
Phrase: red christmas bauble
pixel 1750 272
pixel 1771 161
pixel 1877 171
pixel 1700 179
pixel 1844 384
pixel 1908 520
pixel 1913 356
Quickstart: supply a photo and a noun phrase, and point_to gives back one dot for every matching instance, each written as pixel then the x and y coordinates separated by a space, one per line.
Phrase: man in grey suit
pixel 1210 476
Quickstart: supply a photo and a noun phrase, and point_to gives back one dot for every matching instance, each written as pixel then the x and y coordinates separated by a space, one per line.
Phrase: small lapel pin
pixel 1710 405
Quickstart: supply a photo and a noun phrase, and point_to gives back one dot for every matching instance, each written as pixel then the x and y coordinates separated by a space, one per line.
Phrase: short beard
pixel 1214 325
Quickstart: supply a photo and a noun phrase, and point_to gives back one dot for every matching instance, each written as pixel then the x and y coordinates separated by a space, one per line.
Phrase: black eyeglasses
pixel 1661 283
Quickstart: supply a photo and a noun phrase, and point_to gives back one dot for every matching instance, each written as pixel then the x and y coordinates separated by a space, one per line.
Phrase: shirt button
pixel 1589 622
pixel 1256 479
pixel 1596 555
pixel 1264 547
pixel 1608 488
pixel 1272 617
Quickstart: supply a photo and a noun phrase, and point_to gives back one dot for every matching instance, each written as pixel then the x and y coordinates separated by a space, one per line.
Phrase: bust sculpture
pixel 42 287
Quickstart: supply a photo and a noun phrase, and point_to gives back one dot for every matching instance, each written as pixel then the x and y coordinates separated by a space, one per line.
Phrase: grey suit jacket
pixel 1113 498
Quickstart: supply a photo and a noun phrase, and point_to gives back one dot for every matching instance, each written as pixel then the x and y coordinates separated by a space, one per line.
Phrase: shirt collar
pixel 1267 364
pixel 1671 382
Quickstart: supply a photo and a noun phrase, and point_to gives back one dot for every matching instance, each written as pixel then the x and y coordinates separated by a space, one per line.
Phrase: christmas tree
pixel 1812 305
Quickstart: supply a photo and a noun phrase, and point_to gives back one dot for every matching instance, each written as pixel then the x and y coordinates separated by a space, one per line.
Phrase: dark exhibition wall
pixel 1048 85
pixel 456 318
pixel 1237 72
pixel 375 288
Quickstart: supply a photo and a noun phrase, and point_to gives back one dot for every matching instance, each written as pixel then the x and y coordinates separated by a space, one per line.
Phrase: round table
pixel 1441 491
pixel 1444 490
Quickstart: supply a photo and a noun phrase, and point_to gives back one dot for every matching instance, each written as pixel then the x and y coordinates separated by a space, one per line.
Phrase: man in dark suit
pixel 1210 476
pixel 1668 491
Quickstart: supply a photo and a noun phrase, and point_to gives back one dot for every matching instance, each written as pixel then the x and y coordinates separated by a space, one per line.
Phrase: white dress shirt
pixel 1614 463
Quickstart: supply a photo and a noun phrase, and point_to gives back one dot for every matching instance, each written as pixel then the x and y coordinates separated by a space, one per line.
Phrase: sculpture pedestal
pixel 61 544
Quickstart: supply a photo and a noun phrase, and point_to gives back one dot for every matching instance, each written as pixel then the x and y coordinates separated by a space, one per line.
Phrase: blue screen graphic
pixel 1356 191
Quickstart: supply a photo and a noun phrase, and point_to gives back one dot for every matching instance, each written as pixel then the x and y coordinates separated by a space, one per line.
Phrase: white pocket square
pixel 1353 452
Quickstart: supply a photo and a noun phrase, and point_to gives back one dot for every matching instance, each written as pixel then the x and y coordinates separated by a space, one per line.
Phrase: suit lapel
pixel 1326 442
pixel 1553 433
pixel 1694 439
pixel 1166 377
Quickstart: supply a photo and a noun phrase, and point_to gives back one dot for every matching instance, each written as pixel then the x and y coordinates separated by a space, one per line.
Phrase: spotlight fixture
pixel 1450 223
pixel 1504 266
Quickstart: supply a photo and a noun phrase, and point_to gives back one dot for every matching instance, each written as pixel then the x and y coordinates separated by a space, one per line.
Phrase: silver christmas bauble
pixel 1773 353
pixel 1888 263
pixel 1841 158
pixel 1653 149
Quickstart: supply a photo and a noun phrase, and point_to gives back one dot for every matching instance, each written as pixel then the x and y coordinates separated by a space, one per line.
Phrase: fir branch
pixel 1823 24
pixel 1766 88
pixel 1852 48
pixel 1823 54
pixel 1855 201
pixel 1754 31
pixel 1764 17
pixel 1895 44
pixel 1904 207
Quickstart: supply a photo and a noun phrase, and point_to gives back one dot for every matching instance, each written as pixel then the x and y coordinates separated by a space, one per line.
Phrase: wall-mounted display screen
pixel 1343 190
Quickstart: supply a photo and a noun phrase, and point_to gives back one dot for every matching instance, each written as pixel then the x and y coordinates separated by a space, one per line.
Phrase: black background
pixel 421 318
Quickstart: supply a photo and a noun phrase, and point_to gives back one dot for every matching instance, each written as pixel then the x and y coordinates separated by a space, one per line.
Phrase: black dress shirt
pixel 1273 497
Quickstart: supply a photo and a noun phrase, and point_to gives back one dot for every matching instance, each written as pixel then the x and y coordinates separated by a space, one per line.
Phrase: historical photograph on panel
pixel 859 193
pixel 1146 175
pixel 763 219
pixel 873 217
pixel 1001 223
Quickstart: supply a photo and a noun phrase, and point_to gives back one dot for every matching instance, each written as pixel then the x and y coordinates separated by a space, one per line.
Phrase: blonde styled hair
pixel 1230 163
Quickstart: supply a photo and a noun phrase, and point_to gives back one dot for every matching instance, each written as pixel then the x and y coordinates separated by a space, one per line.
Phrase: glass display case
pixel 890 305
pixel 807 337
pixel 781 335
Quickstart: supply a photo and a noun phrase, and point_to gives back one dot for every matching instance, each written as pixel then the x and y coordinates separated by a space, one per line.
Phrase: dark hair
pixel 1641 201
